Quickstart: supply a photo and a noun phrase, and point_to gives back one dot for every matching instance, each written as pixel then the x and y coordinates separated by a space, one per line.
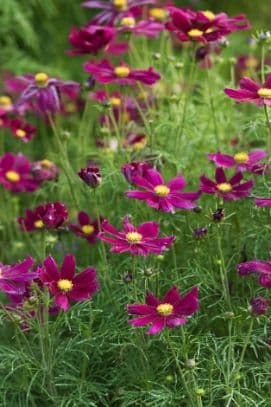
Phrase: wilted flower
pixel 263 268
pixel 22 130
pixel 44 170
pixel 65 285
pixel 231 189
pixel 132 169
pixel 86 228
pixel 251 92
pixel 172 311
pixel 242 161
pixel 135 141
pixel 263 201
pixel 140 240
pixel 91 176
pixel 47 216
pixel 259 305
pixel 13 278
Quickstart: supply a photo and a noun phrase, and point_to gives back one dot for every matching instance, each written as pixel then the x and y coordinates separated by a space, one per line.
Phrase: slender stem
pixel 263 63
pixel 212 105
pixel 268 123
pixel 223 270
pixel 247 338
pixel 134 276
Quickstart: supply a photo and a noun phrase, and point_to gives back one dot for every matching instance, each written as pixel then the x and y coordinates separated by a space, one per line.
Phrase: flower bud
pixel 199 233
pixel 229 314
pixel 156 56
pixel 190 363
pixel 127 277
pixel 200 392
pixel 148 272
pixel 91 176
pixel 219 214
pixel 259 305
pixel 169 378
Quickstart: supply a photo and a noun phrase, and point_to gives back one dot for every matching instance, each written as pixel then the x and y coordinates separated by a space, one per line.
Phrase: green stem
pixel 262 63
pixel 247 338
pixel 223 269
pixel 212 105
pixel 268 123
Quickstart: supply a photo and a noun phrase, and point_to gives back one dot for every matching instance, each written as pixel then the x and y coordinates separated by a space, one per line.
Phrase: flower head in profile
pixel 91 176
pixel 22 130
pixel 44 170
pixel 172 311
pixel 261 267
pixel 15 173
pixel 146 28
pixel 242 161
pixel 86 228
pixel 252 92
pixel 140 240
pixel 65 285
pixel 14 278
pixel 135 141
pixel 161 195
pixel 263 201
pixel 136 168
pixel 232 189
pixel 122 74
pixel 259 305
pixel 48 216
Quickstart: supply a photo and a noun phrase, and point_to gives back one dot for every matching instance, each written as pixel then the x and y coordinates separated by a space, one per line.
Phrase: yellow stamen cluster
pixel 241 157
pixel 41 79
pixel 5 101
pixel 122 71
pixel 251 62
pixel 121 5
pixel 38 224
pixel 87 229
pixel 115 101
pixel 164 309
pixel 133 237
pixel 46 163
pixel 162 190
pixel 20 133
pixel 65 285
pixel 224 187
pixel 13 176
pixel 264 93
pixel 195 33
pixel 127 22
pixel 209 14
pixel 139 145
pixel 157 13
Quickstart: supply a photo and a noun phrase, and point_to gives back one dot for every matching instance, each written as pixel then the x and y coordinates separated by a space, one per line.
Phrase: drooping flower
pixel 259 305
pixel 22 130
pixel 132 169
pixel 15 173
pixel 231 189
pixel 252 92
pixel 160 195
pixel 242 161
pixel 48 216
pixel 44 170
pixel 91 176
pixel 86 228
pixel 171 312
pixel 90 39
pixel 263 268
pixel 263 201
pixel 13 278
pixel 65 285
pixel 122 74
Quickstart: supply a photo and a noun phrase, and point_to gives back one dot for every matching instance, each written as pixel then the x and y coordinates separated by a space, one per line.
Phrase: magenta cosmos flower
pixel 263 268
pixel 14 278
pixel 251 92
pixel 122 74
pixel 140 240
pixel 47 216
pixel 231 189
pixel 259 305
pixel 203 26
pixel 22 130
pixel 15 173
pixel 160 195
pixel 242 161
pixel 263 201
pixel 45 92
pixel 172 311
pixel 86 228
pixel 113 10
pixel 44 170
pixel 90 39
pixel 65 285
pixel 147 28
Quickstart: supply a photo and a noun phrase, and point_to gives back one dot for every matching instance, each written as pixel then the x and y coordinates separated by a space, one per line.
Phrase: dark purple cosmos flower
pixel 263 268
pixel 113 10
pixel 90 39
pixel 140 240
pixel 48 216
pixel 199 233
pixel 86 228
pixel 22 130
pixel 251 92
pixel 160 195
pixel 203 26
pixel 15 173
pixel 44 170
pixel 136 168
pixel 259 305
pixel 147 28
pixel 91 176
pixel 242 161
pixel 218 214
pixel 14 278
pixel 231 189
pixel 263 201
pixel 45 92
pixel 172 311
pixel 65 285
pixel 122 74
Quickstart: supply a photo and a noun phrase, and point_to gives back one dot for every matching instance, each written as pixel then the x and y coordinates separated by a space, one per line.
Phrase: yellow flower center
pixel 87 229
pixel 46 163
pixel 20 133
pixel 115 101
pixel 41 79
pixel 121 5
pixel 224 187
pixel 127 22
pixel 5 101
pixel 139 145
pixel 122 71
pixel 162 190
pixel 195 33
pixel 251 62
pixel 164 309
pixel 133 237
pixel 210 30
pixel 70 107
pixel 241 157
pixel 264 93
pixel 65 285
pixel 124 117
pixel 38 224
pixel 209 14
pixel 13 176
pixel 157 13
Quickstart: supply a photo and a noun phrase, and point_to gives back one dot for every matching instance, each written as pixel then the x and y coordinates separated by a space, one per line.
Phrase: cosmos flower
pixel 6 104
pixel 171 312
pixel 44 170
pixel 242 161
pixel 203 26
pixel 135 141
pixel 263 268
pixel 65 285
pixel 15 173
pixel 90 39
pixel 263 201
pixel 136 168
pixel 13 278
pixel 160 195
pixel 259 305
pixel 251 92
pixel 47 216
pixel 231 189
pixel 140 240
pixel 22 130
pixel 104 72
pixel 114 10
pixel 91 176
pixel 146 28
pixel 86 228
